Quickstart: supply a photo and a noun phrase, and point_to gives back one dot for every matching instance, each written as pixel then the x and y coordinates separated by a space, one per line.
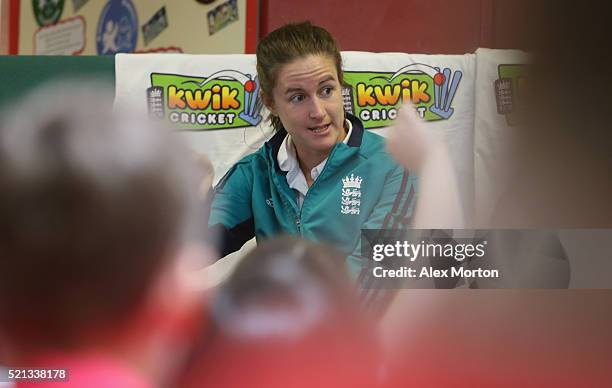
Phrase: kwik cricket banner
pixel 213 100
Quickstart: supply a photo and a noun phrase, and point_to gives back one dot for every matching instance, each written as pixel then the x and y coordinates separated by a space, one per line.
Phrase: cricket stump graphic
pixel 443 93
pixel 445 87
pixel 252 100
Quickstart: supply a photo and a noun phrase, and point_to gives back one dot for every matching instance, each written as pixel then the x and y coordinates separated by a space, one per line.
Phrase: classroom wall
pixel 432 27
pixel 410 26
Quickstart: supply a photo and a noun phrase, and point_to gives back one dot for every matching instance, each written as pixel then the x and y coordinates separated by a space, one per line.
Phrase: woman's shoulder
pixel 374 139
pixel 248 169
pixel 257 160
pixel 374 144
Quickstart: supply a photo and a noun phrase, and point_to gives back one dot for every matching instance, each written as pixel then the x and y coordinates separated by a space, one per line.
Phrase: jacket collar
pixel 357 135
pixel 354 141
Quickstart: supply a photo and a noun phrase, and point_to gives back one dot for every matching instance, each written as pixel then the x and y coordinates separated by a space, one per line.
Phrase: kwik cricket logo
pixel 225 99
pixel 375 97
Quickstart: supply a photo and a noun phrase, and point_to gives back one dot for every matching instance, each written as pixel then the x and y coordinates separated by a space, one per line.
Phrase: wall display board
pixel 4 24
pixel 106 27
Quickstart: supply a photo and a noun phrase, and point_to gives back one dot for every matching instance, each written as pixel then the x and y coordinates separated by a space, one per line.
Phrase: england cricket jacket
pixel 360 187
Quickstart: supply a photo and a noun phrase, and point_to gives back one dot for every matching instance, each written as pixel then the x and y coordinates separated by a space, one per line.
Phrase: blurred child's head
pixel 289 316
pixel 96 207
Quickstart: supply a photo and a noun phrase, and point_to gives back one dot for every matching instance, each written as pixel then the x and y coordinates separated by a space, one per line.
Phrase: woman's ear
pixel 268 102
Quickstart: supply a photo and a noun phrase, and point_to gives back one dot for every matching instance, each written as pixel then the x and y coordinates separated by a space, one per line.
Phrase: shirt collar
pixel 287 156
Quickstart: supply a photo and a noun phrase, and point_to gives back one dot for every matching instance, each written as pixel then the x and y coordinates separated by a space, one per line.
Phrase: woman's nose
pixel 316 110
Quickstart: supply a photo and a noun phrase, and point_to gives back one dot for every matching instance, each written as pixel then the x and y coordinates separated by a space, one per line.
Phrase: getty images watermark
pixel 413 251
pixel 487 258
pixel 446 258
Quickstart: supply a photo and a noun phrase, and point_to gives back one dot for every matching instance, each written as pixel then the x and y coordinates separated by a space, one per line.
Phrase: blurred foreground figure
pixel 563 155
pixel 559 172
pixel 288 317
pixel 97 215
pixel 499 338
pixel 563 159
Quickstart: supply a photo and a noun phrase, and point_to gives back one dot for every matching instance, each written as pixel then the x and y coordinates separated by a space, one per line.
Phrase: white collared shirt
pixel 287 161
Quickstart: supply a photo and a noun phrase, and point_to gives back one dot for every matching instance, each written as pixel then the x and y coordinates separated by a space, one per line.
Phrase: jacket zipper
pixel 298 221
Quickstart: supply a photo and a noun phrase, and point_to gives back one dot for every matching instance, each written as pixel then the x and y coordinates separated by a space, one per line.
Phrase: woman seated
pixel 321 176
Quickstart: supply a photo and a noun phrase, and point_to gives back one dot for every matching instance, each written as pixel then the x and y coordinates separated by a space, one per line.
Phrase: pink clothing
pixel 92 371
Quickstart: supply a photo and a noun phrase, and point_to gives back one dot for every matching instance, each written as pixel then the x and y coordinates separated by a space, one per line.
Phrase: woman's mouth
pixel 320 129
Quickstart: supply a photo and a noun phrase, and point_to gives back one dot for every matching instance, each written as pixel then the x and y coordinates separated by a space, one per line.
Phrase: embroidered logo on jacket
pixel 351 194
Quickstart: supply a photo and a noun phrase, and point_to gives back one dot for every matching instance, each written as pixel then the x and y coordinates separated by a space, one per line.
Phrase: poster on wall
pixel 108 27
pixel 47 12
pixel 155 26
pixel 222 15
pixel 64 38
pixel 117 29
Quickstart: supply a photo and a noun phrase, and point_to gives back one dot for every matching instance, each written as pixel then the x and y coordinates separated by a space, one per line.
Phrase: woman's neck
pixel 309 160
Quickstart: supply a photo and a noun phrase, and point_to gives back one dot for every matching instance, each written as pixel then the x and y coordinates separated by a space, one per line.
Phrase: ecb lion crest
pixel 351 194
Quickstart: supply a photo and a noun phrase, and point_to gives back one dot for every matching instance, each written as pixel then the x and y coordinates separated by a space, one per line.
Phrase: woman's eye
pixel 297 98
pixel 327 91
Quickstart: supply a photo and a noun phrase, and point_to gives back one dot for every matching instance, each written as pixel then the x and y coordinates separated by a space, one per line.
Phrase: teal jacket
pixel 360 187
